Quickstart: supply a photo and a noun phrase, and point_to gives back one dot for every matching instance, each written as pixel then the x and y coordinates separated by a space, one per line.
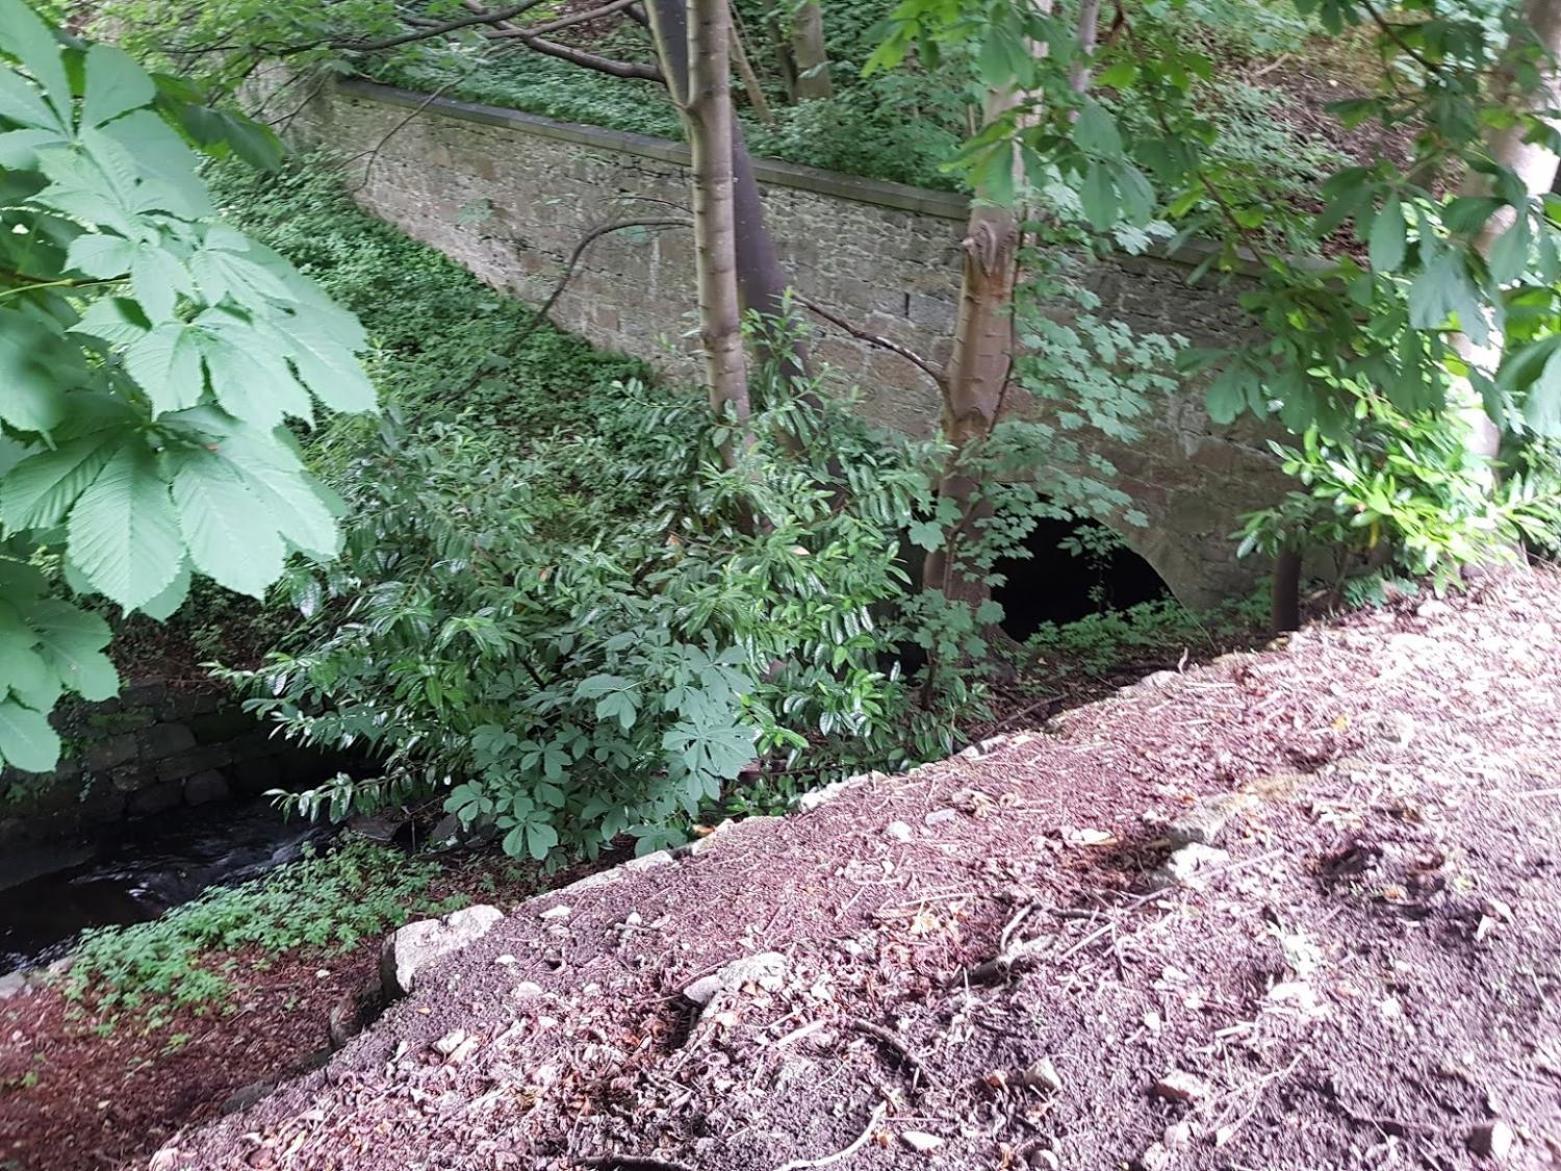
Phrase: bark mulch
pixel 1369 978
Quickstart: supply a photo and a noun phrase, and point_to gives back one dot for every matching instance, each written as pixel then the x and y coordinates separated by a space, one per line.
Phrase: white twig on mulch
pixel 844 1153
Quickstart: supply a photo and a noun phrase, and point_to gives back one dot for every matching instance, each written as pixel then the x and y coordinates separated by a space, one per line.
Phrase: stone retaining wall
pixel 510 195
pixel 152 749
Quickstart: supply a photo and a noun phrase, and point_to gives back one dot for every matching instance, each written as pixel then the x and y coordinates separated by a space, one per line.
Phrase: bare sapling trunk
pixel 809 57
pixel 1080 76
pixel 704 99
pixel 756 99
pixel 976 380
pixel 761 280
pixel 1535 165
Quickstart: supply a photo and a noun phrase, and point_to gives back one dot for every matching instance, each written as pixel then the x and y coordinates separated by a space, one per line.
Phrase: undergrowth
pixel 328 902
pixel 1115 641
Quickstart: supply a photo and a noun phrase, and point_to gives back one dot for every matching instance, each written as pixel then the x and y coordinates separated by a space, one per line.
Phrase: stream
pixel 49 894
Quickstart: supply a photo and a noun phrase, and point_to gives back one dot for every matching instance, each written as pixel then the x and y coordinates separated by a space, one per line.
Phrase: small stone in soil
pixel 920 1141
pixel 1177 1086
pixel 767 970
pixel 1204 824
pixel 899 831
pixel 450 1042
pixel 1043 1075
pixel 1492 1140
pixel 1187 866
pixel 939 816
pixel 1156 1158
pixel 561 911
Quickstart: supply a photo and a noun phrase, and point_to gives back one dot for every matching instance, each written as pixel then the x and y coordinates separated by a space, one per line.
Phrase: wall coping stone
pixel 948 205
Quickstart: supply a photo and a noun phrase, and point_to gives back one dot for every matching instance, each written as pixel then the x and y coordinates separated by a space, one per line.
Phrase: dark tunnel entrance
pixel 1075 568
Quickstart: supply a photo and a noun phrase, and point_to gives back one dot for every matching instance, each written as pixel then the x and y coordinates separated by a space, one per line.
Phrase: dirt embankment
pixel 1369 975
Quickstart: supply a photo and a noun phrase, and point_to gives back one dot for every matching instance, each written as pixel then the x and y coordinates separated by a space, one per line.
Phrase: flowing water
pixel 49 894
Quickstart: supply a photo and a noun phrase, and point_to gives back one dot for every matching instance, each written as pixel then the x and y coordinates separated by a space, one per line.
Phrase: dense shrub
pixel 556 607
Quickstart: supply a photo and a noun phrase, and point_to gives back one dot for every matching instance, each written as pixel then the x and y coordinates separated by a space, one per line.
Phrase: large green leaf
pixel 1095 131
pixel 167 364
pixel 1099 197
pixel 72 641
pixel 38 492
pixel 21 101
pixel 158 278
pixel 222 269
pixel 162 607
pixel 231 536
pixel 123 533
pixel 324 364
pixel 1389 239
pixel 24 36
pixel 26 740
pixel 165 162
pixel 36 367
pixel 115 85
pixel 290 496
pixel 1542 408
pixel 249 372
pixel 115 320
pixel 101 254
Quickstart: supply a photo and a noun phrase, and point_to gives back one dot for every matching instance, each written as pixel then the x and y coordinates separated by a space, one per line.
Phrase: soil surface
pixel 1369 977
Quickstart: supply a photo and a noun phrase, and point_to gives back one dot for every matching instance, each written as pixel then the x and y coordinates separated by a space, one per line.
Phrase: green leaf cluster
pixel 151 361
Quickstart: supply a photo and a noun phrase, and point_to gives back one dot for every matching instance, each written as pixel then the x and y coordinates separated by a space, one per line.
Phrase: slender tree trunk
pixel 744 67
pixel 761 280
pixel 1080 75
pixel 977 374
pixel 809 57
pixel 702 92
pixel 1285 602
pixel 1535 164
pixel 976 380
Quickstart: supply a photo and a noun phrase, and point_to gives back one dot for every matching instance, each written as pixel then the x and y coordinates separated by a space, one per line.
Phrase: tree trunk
pixel 751 86
pixel 1080 75
pixel 1285 602
pixel 761 280
pixel 809 57
pixel 702 92
pixel 976 380
pixel 1535 164
pixel 976 377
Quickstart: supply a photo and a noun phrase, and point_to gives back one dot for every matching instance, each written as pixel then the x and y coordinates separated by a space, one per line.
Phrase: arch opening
pixel 1075 568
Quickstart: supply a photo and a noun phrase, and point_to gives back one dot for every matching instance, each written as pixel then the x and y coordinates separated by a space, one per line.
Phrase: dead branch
pixel 890 1039
pixel 479 16
pixel 845 1153
pixel 552 26
pixel 573 262
pixel 872 339
pixel 750 79
pixel 581 57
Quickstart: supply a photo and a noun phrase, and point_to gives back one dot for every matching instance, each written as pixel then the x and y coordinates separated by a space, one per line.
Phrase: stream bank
pixel 158 796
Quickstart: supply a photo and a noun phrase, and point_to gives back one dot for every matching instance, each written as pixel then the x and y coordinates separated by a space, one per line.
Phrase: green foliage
pixel 589 637
pixel 552 608
pixel 328 902
pixel 1406 491
pixel 150 358
pixel 1120 640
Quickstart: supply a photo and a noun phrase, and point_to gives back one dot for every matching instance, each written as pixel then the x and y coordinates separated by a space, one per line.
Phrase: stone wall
pixel 151 749
pixel 509 196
